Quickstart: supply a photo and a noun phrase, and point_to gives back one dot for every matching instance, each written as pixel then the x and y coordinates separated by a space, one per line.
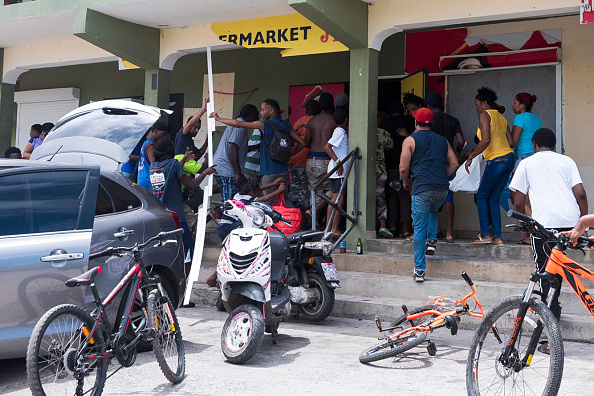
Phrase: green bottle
pixel 359 246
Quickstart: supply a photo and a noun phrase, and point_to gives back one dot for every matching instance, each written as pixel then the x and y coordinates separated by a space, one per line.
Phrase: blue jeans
pixel 492 184
pixel 424 211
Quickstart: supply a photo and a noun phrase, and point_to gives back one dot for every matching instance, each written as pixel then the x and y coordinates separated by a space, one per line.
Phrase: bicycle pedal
pixel 431 348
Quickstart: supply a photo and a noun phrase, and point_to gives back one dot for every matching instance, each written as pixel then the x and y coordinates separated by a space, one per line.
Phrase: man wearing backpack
pixel 275 148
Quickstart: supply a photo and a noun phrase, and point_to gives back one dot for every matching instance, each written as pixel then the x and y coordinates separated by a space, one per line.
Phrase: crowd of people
pixel 37 135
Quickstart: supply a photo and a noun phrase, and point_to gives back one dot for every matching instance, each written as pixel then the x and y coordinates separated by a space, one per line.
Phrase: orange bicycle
pixel 506 363
pixel 422 320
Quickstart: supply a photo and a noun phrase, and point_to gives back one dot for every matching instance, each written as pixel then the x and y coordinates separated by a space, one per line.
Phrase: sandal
pixel 497 241
pixel 450 240
pixel 385 233
pixel 545 348
pixel 480 239
pixel 524 241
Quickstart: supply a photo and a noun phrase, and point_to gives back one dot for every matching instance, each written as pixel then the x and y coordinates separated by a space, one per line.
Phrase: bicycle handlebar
pixel 535 227
pixel 162 236
pixel 467 279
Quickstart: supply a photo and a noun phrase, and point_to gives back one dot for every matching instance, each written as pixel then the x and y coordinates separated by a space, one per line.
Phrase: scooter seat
pixel 306 236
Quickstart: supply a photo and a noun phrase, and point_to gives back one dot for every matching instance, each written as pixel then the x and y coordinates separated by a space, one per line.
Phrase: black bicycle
pixel 70 348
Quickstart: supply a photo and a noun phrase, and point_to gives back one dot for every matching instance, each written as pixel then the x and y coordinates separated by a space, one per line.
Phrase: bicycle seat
pixel 83 279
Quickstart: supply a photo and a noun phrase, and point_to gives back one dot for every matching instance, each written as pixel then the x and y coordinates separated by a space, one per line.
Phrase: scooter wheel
pixel 320 309
pixel 242 334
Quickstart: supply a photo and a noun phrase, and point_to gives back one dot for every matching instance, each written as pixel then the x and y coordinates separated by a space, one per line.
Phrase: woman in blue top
pixel 525 124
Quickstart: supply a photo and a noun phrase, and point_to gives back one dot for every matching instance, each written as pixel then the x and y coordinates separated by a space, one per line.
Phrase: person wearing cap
pixel 425 163
pixel 342 100
pixel 147 156
pixel 448 127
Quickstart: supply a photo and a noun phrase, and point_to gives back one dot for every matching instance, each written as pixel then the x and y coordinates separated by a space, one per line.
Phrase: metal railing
pixel 353 162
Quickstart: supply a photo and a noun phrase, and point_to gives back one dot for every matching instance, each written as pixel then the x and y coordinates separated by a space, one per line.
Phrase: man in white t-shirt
pixel 337 148
pixel 557 196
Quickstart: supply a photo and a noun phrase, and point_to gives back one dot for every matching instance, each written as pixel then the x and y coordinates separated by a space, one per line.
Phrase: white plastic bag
pixel 470 182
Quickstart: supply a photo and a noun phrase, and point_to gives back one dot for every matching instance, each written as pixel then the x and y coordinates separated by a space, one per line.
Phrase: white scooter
pixel 258 281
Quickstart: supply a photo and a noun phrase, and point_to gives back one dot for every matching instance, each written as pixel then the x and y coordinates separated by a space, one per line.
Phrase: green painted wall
pixel 261 68
pixel 96 81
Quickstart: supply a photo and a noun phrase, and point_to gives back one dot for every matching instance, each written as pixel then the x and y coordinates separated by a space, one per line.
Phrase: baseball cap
pixel 341 100
pixel 423 115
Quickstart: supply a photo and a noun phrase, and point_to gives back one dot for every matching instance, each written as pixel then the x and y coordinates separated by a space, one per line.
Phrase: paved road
pixel 309 359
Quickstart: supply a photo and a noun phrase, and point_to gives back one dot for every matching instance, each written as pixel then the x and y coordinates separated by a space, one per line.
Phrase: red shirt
pixel 300 127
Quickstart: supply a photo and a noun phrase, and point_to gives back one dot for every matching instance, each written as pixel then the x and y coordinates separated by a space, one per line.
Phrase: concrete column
pixel 363 134
pixel 6 115
pixel 157 84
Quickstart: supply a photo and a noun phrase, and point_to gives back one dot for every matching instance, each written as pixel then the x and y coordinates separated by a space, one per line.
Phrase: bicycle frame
pixel 557 264
pixel 137 275
pixel 440 319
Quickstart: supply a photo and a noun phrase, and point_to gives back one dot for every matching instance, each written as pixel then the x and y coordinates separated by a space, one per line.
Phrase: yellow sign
pixel 294 33
pixel 125 65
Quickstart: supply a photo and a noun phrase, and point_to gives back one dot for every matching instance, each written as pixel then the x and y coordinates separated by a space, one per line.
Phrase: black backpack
pixel 281 145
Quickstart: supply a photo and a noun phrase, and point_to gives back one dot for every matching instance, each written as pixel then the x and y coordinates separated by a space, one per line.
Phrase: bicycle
pixel 422 320
pixel 70 348
pixel 506 363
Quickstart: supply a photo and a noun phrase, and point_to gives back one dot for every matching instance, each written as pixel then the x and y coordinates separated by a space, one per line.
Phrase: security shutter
pixel 38 107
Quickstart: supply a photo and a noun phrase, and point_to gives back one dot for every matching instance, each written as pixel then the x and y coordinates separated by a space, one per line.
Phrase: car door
pixel 116 225
pixel 46 222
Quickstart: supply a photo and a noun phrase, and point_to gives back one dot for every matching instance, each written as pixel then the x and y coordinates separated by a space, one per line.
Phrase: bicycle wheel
pixel 402 319
pixel 486 375
pixel 391 348
pixel 56 348
pixel 167 344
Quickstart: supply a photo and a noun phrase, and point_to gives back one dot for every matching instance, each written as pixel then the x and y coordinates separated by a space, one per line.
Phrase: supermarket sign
pixel 293 33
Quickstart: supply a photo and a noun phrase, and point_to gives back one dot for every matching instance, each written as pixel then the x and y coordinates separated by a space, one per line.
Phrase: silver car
pixel 53 214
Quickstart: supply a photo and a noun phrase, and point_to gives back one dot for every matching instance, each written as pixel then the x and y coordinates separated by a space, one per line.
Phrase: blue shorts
pixel 450 197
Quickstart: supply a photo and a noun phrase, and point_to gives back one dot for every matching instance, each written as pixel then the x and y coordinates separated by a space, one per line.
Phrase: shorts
pixel 450 197
pixel 519 159
pixel 335 184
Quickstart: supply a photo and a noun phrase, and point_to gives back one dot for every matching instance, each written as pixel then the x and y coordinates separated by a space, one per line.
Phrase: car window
pixel 123 198
pixel 39 202
pixel 104 202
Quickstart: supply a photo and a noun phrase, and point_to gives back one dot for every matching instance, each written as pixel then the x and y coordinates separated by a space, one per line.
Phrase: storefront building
pixel 57 53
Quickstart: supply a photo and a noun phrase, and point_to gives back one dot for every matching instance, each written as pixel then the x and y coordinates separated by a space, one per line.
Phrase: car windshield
pixel 120 126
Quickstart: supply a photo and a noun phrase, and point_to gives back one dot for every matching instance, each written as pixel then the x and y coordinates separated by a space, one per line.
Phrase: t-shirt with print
pixel 529 123
pixel 228 218
pixel 549 179
pixel 165 184
pixel 239 136
pixel 142 178
pixel 340 145
pixel 252 160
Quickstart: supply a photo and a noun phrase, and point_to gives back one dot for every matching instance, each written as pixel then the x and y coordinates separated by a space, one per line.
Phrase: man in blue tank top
pixel 427 158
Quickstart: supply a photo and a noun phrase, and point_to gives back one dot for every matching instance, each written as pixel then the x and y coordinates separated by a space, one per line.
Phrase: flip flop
pixel 385 233
pixel 479 239
pixel 450 240
pixel 523 242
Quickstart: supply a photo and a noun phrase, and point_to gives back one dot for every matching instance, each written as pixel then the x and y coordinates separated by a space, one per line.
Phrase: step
pixel 438 266
pixel 573 327
pixel 464 248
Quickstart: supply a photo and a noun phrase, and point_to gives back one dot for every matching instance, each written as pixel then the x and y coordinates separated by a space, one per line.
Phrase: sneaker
pixel 419 276
pixel 430 247
pixel 385 233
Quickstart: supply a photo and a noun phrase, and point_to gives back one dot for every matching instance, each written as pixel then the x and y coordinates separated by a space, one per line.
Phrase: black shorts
pixel 335 184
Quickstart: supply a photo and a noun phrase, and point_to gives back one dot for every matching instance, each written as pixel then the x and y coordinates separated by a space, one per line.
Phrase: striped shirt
pixel 252 162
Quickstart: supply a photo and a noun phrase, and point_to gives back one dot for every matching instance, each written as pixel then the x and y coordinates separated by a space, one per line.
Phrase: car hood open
pixel 102 133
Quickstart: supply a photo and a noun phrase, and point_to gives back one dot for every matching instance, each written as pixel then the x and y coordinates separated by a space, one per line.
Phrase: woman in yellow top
pixel 495 139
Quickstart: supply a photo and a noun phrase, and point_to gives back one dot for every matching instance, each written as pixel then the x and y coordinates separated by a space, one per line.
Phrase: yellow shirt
pixel 498 146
